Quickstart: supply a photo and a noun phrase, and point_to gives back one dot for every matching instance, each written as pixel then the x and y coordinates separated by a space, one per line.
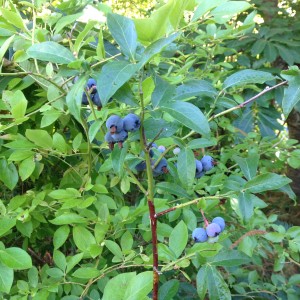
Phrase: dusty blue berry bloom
pixel 220 221
pixel 114 124
pixel 213 230
pixel 131 123
pixel 199 235
pixel 161 167
pixel 207 162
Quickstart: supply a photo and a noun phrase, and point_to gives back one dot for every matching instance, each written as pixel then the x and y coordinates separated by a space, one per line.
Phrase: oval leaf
pixel 51 51
pixel 189 115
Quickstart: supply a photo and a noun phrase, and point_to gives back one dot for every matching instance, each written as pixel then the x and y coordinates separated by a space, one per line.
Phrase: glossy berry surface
pixel 199 235
pixel 213 230
pixel 131 123
pixel 114 124
pixel 207 162
pixel 220 221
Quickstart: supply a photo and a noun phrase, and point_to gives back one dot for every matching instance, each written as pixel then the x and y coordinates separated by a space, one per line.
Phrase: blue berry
pixel 92 84
pixel 200 174
pixel 120 136
pixel 141 166
pixel 131 123
pixel 199 235
pixel 220 221
pixel 161 168
pixel 109 138
pixel 207 162
pixel 213 229
pixel 161 148
pixel 176 151
pixel 114 124
pixel 96 99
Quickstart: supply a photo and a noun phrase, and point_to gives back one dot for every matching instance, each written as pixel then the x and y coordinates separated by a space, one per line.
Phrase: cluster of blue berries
pixel 91 89
pixel 205 164
pixel 162 166
pixel 118 128
pixel 211 231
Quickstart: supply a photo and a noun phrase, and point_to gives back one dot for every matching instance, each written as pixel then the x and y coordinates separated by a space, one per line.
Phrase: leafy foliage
pixel 74 215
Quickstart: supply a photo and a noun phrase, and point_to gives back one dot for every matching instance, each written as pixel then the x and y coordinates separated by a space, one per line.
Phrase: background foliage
pixel 74 218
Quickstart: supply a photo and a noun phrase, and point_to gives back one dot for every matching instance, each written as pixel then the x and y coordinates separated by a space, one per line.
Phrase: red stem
pixel 153 222
pixel 204 218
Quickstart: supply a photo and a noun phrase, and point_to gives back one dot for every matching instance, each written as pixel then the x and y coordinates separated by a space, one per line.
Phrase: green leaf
pixel 63 194
pixel 291 95
pixel 186 167
pixel 5 225
pixel 178 238
pixel 248 165
pixel 8 174
pixel 201 282
pixel 59 259
pixel 139 286
pixel 15 258
pixel 217 287
pixel 5 46
pixel 59 143
pixel 94 129
pixel 68 218
pixel 83 238
pixel 229 258
pixel 18 105
pixel 126 241
pixel 206 6
pixel 274 237
pixel 51 51
pixel 266 182
pixel 172 188
pixel 168 290
pixel 72 261
pixel 86 273
pixel 116 286
pixel 60 236
pixel 202 143
pixel 205 249
pixel 163 92
pixel 123 31
pixel 247 77
pixel 66 20
pixel 189 115
pixel 40 137
pixel 74 97
pixel 6 278
pixel 193 88
pixel 79 42
pixel 13 17
pixel 55 273
pixel 224 12
pixel 258 47
pixel 49 117
pixel 117 157
pixel 157 47
pixel 114 248
pixel 114 74
pixel 246 205
pixel 26 168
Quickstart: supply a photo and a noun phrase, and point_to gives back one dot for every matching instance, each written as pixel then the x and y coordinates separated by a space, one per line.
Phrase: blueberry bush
pixel 138 155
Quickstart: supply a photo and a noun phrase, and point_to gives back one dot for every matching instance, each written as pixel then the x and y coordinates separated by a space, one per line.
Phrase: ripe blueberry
pixel 161 168
pixel 131 123
pixel 199 235
pixel 114 124
pixel 220 221
pixel 207 162
pixel 213 229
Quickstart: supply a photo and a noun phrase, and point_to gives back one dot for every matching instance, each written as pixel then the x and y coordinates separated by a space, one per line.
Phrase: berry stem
pixel 204 218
